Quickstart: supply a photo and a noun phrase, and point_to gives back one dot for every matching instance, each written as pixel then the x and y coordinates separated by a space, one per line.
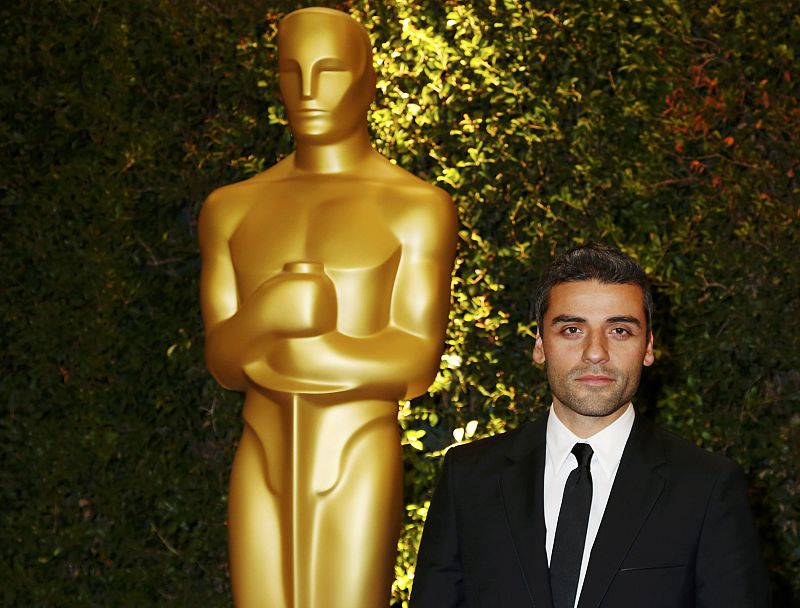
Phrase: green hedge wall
pixel 667 128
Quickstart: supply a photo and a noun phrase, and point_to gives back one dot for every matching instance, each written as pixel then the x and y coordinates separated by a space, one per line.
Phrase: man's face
pixel 594 343
pixel 324 80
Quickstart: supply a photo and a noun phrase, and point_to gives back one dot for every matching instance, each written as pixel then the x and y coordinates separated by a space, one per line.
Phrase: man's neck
pixel 343 156
pixel 586 426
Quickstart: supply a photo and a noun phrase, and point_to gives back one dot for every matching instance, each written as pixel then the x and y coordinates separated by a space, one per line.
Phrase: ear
pixel 649 357
pixel 538 348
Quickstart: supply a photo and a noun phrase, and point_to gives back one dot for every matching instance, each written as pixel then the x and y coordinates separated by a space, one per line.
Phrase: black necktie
pixel 573 519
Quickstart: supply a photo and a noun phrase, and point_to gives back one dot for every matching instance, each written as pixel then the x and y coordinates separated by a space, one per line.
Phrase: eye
pixel 571 331
pixel 622 332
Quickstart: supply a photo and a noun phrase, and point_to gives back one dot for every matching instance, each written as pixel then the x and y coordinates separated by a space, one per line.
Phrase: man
pixel 591 505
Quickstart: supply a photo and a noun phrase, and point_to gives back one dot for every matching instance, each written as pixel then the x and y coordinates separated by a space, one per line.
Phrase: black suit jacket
pixel 677 530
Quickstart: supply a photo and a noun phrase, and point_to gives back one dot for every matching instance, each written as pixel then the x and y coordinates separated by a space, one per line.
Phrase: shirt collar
pixel 607 445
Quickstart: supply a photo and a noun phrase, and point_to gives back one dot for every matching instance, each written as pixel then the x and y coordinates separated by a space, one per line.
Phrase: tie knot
pixel 583 452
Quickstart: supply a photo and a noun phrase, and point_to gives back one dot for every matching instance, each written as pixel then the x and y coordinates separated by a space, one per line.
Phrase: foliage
pixel 668 129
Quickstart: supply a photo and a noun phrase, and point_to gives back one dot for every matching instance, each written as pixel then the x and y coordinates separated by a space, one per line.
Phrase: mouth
pixel 595 380
pixel 311 112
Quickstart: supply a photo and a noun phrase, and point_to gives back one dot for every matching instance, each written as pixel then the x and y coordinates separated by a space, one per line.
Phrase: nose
pixel 307 83
pixel 596 348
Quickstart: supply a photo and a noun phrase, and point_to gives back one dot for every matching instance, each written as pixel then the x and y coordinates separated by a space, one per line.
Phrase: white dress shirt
pixel 608 445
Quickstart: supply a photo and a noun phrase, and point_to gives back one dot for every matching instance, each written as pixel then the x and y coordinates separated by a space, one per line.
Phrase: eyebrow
pixel 331 62
pixel 619 319
pixel 566 319
pixel 336 63
pixel 625 319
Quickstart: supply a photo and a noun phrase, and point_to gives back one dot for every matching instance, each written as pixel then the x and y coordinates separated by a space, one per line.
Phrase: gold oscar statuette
pixel 325 292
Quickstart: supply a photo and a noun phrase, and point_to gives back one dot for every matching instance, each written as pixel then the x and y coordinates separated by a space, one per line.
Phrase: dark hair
pixel 592 263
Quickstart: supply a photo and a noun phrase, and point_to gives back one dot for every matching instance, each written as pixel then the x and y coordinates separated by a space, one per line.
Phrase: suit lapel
pixel 636 488
pixel 521 486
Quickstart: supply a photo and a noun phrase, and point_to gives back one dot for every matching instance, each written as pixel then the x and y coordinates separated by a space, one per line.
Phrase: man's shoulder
pixel 486 445
pixel 687 456
pixel 495 450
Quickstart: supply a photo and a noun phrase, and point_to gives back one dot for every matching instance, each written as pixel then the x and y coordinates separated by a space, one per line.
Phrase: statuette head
pixel 325 72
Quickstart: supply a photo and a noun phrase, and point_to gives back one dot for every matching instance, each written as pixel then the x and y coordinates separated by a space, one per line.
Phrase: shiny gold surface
pixel 325 289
